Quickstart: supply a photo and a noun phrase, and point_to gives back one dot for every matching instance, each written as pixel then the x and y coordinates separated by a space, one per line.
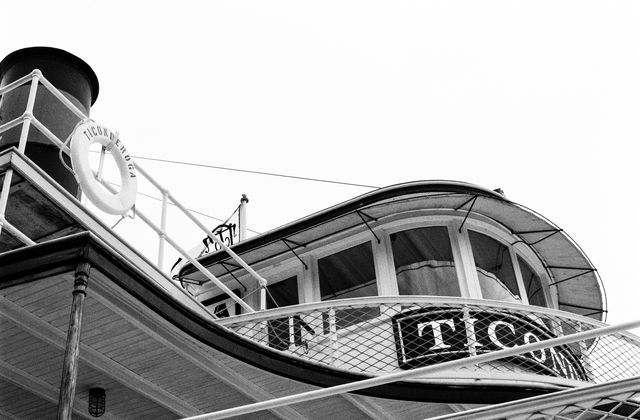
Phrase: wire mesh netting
pixel 618 399
pixel 379 338
pixel 615 407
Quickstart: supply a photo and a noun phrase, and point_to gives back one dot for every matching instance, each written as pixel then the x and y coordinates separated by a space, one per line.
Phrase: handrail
pixel 337 333
pixel 19 82
pixel 414 373
pixel 540 403
pixel 28 119
pixel 403 300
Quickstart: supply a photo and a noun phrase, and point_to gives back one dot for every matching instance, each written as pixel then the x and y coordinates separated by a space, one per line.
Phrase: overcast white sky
pixel 539 98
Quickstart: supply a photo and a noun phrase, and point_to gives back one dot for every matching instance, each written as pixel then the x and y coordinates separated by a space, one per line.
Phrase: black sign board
pixel 439 334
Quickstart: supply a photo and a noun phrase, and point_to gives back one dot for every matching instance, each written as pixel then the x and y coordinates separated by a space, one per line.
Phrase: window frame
pixel 506 239
pixel 426 222
pixel 334 248
pixel 468 281
pixel 308 280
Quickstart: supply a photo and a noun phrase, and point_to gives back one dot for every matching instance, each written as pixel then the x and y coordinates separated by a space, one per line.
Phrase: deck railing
pixel 379 335
pixel 28 121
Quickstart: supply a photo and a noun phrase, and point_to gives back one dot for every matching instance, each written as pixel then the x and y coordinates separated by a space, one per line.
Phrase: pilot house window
pixel 532 284
pixel 285 331
pixel 348 274
pixel 424 262
pixel 494 267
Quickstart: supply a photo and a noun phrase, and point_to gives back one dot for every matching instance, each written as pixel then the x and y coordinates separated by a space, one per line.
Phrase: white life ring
pixel 82 137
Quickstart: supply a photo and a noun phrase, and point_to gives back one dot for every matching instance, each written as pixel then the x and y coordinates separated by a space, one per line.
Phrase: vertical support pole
pixel 263 297
pixel 72 349
pixel 292 334
pixel 585 357
pixel 242 218
pixel 333 336
pixel 470 329
pixel 28 113
pixel 163 229
pixel 4 194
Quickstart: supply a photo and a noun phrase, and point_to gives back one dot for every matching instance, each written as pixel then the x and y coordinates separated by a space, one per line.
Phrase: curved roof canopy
pixel 579 287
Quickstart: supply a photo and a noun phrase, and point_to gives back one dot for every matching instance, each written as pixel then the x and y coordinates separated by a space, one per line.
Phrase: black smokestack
pixel 69 74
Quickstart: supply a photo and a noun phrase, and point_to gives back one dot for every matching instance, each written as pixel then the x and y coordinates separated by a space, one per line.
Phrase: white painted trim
pixel 387 282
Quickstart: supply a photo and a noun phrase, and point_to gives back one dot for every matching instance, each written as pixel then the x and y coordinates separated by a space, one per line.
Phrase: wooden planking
pixel 221 385
pixel 183 377
pixel 148 360
pixel 146 357
pixel 23 351
pixel 35 357
pixel 132 350
pixel 94 331
pixel 20 403
pixel 332 407
pixel 262 415
pixel 30 385
pixel 412 410
pixel 34 214
pixel 136 386
pixel 112 343
pixel 53 290
pixel 121 401
pixel 15 293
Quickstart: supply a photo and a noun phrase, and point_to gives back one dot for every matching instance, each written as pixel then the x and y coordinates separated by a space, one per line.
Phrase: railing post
pixel 242 218
pixel 28 113
pixel 584 353
pixel 163 229
pixel 292 334
pixel 4 194
pixel 72 348
pixel 472 340
pixel 263 298
pixel 333 334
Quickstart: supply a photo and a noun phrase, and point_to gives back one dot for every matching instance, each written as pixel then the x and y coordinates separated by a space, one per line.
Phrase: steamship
pixel 428 299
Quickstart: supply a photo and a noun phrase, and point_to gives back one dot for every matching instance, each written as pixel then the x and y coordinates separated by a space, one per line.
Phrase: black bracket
pixel 473 201
pixel 361 213
pixel 224 265
pixel 190 281
pixel 584 271
pixel 596 311
pixel 286 242
pixel 552 232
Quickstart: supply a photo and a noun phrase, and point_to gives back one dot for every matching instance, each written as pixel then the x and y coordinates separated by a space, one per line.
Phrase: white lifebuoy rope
pixel 85 134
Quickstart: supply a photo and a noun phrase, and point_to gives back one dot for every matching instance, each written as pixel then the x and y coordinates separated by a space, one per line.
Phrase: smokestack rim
pixel 55 54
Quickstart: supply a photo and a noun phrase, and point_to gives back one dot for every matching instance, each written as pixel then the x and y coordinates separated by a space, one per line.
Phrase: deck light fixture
pixel 97 399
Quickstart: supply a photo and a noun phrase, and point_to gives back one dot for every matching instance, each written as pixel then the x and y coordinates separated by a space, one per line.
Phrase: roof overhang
pixel 579 287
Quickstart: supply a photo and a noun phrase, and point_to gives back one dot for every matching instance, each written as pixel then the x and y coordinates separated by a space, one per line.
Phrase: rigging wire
pixel 191 210
pixel 224 168
pixel 200 165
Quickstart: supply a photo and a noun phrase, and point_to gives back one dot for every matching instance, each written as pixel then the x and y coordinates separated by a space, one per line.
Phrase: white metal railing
pixel 430 370
pixel 374 335
pixel 27 119
pixel 611 400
